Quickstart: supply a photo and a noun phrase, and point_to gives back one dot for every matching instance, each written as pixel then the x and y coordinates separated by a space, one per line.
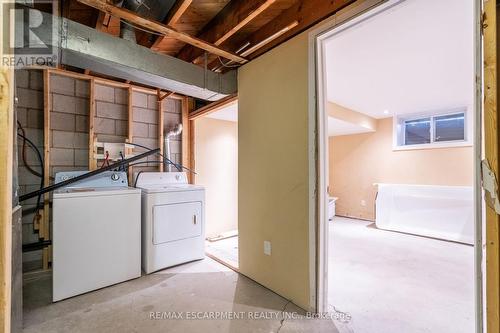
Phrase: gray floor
pixel 199 286
pixel 225 250
pixel 396 283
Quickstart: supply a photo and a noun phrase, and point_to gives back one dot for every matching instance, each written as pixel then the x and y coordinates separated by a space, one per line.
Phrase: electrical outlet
pixel 363 203
pixel 267 248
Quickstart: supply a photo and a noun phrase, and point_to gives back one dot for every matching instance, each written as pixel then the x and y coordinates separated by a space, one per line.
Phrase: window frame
pixel 400 133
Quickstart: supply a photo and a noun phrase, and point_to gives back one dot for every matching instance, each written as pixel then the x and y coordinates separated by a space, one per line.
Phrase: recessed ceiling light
pixel 386 111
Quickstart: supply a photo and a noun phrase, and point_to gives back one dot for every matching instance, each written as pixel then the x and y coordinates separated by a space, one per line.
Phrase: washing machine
pixel 173 220
pixel 96 233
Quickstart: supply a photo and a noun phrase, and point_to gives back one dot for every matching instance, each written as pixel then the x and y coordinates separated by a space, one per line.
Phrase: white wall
pixel 216 164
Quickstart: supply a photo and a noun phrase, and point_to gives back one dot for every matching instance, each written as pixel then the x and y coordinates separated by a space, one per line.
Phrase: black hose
pixel 53 187
pixel 36 246
pixel 178 166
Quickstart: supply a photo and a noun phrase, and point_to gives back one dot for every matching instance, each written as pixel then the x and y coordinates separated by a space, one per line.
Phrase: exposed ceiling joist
pixel 162 28
pixel 214 106
pixel 305 12
pixel 234 16
pixel 173 16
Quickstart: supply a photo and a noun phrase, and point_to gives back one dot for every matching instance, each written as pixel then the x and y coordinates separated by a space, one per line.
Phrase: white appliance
pixel 444 212
pixel 96 233
pixel 331 207
pixel 173 220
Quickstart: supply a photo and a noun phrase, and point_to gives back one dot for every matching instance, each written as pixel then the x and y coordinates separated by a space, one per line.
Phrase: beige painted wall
pixel 273 169
pixel 216 158
pixel 358 161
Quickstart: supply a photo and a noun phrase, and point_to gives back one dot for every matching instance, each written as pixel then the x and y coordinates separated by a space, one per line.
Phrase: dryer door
pixel 176 221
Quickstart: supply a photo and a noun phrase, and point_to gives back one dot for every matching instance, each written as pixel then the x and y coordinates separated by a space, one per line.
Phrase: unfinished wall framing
pixel 65 113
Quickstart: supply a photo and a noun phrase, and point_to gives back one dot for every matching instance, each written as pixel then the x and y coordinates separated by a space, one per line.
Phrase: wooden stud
pixel 44 232
pixel 185 133
pixel 103 81
pixel 491 140
pixel 188 137
pixel 92 136
pixel 130 129
pixel 214 106
pixel 162 28
pixel 161 121
pixel 192 145
pixel 6 158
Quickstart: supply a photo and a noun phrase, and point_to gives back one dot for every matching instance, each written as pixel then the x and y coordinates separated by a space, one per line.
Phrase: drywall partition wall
pixel 358 161
pixel 216 156
pixel 29 109
pixel 273 170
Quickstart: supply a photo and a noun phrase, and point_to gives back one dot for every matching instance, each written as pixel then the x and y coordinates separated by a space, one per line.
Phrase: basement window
pixel 438 130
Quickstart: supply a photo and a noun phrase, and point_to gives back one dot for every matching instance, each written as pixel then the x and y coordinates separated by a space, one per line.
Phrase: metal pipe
pixel 176 131
pixel 53 187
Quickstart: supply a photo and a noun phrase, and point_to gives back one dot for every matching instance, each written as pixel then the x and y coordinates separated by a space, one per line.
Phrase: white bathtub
pixel 445 212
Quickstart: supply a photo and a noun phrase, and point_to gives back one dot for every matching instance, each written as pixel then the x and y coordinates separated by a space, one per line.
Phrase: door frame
pixel 352 15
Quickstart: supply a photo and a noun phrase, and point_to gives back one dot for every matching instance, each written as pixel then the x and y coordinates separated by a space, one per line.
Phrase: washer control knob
pixel 177 177
pixel 115 176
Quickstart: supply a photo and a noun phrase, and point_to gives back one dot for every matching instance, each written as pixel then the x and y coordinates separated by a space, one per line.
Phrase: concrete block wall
pixel 69 124
pixel 29 93
pixel 111 114
pixel 145 118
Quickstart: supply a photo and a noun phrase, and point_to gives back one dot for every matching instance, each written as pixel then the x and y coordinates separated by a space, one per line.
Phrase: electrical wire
pixel 25 139
pixel 137 177
pixel 227 63
pixel 106 160
pixel 40 159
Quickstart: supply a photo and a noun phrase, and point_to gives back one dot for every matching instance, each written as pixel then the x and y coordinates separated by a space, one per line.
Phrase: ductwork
pixel 83 47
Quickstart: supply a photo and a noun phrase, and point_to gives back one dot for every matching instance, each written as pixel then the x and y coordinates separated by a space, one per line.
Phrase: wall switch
pixel 267 248
pixel 363 203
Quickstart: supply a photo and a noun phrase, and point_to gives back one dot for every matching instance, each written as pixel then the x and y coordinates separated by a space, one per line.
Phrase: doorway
pixel 216 161
pixel 384 148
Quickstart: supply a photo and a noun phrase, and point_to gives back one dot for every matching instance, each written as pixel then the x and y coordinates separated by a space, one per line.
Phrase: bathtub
pixel 444 212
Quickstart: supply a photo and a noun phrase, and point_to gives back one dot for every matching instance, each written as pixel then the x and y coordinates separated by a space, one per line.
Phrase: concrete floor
pixel 198 286
pixel 396 283
pixel 225 250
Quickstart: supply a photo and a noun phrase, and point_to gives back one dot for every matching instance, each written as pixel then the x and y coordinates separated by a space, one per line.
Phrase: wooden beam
pixel 492 145
pixel 161 28
pixel 234 16
pixel 130 128
pixel 192 145
pixel 173 16
pixel 212 107
pixel 161 121
pixel 6 158
pixel 92 149
pixel 165 95
pixel 44 232
pixel 305 12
